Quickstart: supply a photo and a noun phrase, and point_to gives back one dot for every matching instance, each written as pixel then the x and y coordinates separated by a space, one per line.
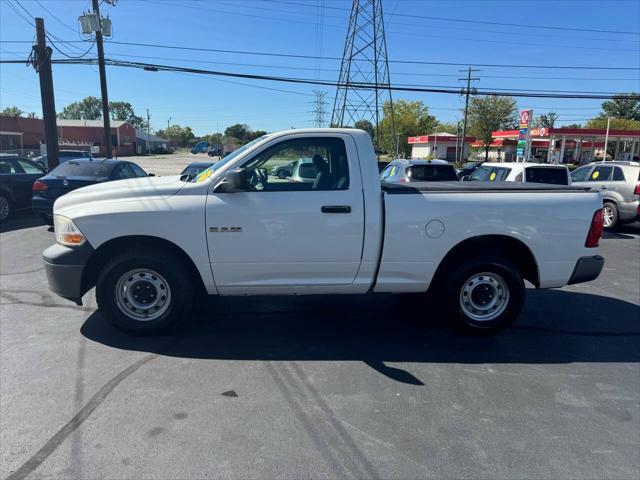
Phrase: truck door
pixel 292 233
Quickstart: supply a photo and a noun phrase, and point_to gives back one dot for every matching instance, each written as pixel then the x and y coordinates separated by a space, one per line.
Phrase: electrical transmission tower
pixel 364 85
pixel 319 110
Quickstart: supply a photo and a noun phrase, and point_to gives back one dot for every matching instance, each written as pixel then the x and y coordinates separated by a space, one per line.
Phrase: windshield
pixel 82 169
pixel 202 176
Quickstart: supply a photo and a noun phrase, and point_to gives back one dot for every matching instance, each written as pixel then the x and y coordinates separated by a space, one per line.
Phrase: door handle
pixel 336 209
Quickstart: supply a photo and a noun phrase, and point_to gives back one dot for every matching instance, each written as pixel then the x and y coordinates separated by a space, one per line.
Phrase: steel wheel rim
pixel 607 214
pixel 484 296
pixel 4 208
pixel 142 294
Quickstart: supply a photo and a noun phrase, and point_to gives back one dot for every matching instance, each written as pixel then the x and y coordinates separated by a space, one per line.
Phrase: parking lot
pixel 320 387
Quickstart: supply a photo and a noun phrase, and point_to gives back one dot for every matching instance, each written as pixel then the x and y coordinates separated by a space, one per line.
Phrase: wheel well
pixel 500 245
pixel 114 246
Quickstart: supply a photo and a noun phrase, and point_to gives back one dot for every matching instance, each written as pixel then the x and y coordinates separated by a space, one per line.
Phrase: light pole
pixel 606 140
pixel 168 122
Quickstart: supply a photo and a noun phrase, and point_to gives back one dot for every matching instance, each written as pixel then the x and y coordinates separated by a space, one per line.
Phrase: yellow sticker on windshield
pixel 595 174
pixel 492 177
pixel 204 175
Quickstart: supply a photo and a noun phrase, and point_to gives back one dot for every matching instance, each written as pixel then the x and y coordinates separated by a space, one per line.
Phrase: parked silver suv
pixel 619 183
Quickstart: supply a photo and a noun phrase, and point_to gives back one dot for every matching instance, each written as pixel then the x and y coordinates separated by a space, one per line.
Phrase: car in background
pixel 468 168
pixel 200 147
pixel 526 172
pixel 74 174
pixel 63 156
pixel 304 171
pixel 283 171
pixel 403 170
pixel 195 168
pixel 619 184
pixel 17 175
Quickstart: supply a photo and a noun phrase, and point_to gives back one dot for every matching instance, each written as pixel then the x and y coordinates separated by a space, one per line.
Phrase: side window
pixel 580 174
pixel 393 171
pixel 7 167
pixel 601 174
pixel 618 175
pixel 318 164
pixel 122 171
pixel 138 171
pixel 385 173
pixel 28 167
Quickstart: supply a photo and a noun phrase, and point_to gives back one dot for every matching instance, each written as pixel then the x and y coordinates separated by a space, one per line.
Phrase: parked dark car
pixel 468 168
pixel 283 171
pixel 195 168
pixel 75 174
pixel 16 178
pixel 63 156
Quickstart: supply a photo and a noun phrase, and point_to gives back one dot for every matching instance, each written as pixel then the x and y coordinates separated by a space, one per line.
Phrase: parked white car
pixel 522 172
pixel 151 246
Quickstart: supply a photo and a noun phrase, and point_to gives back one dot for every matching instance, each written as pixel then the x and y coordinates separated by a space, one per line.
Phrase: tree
pixel 411 119
pixel 447 128
pixel 616 123
pixel 546 120
pixel 123 111
pixel 488 114
pixel 255 134
pixel 12 112
pixel 180 135
pixel 367 126
pixel 89 108
pixel 622 106
pixel 239 131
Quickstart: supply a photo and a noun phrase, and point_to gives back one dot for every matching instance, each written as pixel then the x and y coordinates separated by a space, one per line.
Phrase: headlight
pixel 66 231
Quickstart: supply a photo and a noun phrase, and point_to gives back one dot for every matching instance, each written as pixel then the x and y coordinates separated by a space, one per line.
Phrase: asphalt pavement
pixel 320 387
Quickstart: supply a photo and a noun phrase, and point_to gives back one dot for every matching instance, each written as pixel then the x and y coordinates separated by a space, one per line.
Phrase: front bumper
pixel 64 267
pixel 587 269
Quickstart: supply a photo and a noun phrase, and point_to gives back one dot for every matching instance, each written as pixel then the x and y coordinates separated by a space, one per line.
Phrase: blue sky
pixel 207 103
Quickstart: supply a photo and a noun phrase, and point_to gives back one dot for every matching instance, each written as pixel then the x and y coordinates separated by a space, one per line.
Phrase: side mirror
pixel 151 174
pixel 233 181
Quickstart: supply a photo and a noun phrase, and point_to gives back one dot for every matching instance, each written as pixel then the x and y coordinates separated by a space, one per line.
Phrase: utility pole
pixel 42 63
pixel 466 108
pixel 148 128
pixel 103 84
pixel 606 140
pixel 457 138
pixel 397 155
pixel 168 122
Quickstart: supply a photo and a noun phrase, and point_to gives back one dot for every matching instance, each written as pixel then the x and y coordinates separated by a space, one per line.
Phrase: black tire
pixel 170 268
pixel 47 219
pixel 503 275
pixel 615 219
pixel 5 207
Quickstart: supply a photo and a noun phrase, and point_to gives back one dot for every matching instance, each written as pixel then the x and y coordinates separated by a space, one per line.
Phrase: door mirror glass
pixel 233 181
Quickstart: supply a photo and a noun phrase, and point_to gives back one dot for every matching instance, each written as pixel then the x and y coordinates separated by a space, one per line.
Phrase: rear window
pixel 82 169
pixel 555 176
pixel 488 173
pixel 74 154
pixel 432 173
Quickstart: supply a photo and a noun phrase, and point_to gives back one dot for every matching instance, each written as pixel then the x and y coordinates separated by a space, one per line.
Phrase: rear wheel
pixel 485 294
pixel 145 292
pixel 5 207
pixel 609 215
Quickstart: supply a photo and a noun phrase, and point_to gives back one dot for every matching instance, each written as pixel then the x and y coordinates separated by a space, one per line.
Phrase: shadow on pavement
pixel 556 327
pixel 20 220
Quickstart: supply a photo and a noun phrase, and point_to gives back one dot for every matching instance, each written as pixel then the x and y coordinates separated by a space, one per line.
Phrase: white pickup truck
pixel 152 246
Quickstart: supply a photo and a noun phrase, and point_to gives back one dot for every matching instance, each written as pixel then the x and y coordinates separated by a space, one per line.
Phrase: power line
pixel 56 18
pixel 304 81
pixel 484 22
pixel 314 57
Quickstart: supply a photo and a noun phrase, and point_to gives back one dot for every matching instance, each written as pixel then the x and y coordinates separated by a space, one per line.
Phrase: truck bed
pixel 475 187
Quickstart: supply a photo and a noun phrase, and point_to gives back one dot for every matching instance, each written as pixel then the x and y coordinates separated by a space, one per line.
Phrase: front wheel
pixel 486 294
pixel 145 292
pixel 5 207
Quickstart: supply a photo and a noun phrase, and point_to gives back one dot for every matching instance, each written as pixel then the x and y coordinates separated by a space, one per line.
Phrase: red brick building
pixel 20 134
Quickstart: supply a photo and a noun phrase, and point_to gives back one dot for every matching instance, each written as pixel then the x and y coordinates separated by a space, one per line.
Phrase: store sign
pixel 524 135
